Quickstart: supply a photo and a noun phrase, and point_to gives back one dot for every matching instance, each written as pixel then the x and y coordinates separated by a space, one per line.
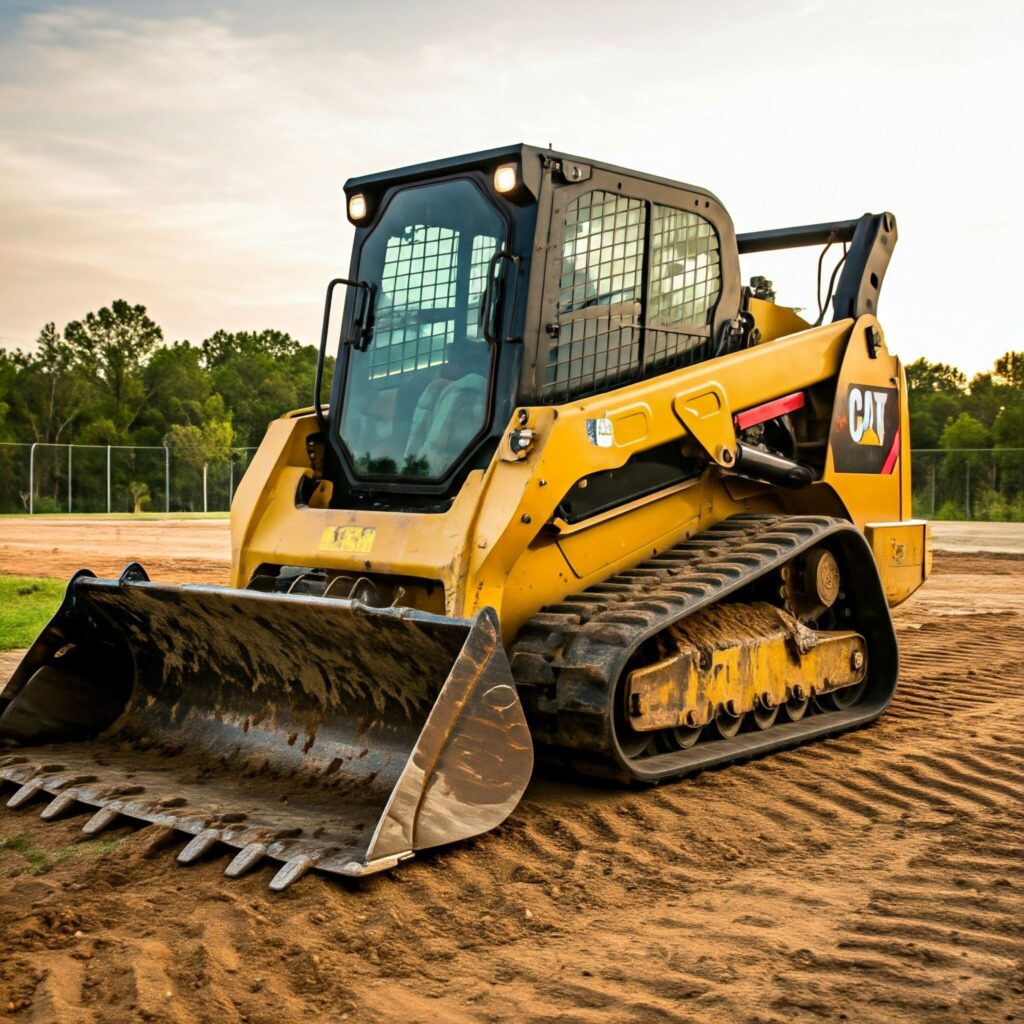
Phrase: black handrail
pixel 362 331
pixel 792 238
pixel 490 292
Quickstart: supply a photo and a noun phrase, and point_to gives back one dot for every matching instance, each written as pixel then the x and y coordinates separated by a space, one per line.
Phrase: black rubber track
pixel 568 660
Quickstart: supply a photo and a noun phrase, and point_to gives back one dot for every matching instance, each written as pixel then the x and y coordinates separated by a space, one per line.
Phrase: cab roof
pixel 487 159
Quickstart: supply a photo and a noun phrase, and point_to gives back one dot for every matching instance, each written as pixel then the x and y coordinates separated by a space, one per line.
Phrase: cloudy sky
pixel 190 156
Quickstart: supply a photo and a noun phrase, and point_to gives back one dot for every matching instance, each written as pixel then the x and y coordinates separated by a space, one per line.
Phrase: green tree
pixel 936 393
pixel 52 389
pixel 924 376
pixel 139 491
pixel 178 388
pixel 115 342
pixel 201 445
pixel 966 474
pixel 260 376
pixel 1010 370
pixel 1008 435
pixel 223 346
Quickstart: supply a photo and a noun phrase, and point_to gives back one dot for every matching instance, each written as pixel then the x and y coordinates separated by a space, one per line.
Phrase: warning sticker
pixel 357 540
pixel 600 433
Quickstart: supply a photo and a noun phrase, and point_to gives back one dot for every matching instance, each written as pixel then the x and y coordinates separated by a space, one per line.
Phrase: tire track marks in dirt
pixel 877 876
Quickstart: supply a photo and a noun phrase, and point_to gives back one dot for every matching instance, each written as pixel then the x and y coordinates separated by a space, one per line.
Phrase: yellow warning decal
pixel 350 539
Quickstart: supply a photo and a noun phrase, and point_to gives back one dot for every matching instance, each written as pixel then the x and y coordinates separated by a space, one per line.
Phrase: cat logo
pixel 866 430
pixel 866 419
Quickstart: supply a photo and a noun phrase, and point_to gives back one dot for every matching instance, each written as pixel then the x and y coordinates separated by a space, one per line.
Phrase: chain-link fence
pixel 961 483
pixel 39 478
pixel 969 483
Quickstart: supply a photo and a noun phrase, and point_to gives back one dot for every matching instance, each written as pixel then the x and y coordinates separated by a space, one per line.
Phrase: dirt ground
pixel 170 550
pixel 975 537
pixel 873 877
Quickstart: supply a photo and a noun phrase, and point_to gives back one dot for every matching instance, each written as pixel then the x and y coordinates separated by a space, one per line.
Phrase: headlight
pixel 505 178
pixel 356 207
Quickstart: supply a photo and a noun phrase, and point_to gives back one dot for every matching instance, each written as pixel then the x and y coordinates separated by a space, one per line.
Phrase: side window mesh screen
pixel 419 274
pixel 605 335
pixel 484 248
pixel 599 297
pixel 685 284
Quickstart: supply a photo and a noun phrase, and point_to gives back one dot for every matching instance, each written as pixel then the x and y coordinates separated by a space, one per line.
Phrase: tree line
pixel 952 415
pixel 109 379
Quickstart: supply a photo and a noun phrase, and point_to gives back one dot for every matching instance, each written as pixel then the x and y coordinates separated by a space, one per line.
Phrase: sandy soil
pixel 873 877
pixel 975 537
pixel 170 550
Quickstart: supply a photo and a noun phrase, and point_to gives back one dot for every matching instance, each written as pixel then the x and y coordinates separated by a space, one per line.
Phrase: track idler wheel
pixel 811 584
pixel 764 713
pixel 796 707
pixel 847 697
pixel 728 720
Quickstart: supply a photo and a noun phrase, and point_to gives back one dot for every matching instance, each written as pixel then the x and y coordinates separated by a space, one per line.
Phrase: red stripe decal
pixel 769 411
pixel 894 451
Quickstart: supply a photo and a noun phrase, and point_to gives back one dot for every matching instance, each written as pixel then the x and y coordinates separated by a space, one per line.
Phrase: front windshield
pixel 416 398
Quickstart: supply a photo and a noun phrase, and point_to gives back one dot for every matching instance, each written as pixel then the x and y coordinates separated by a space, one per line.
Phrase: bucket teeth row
pixel 283 844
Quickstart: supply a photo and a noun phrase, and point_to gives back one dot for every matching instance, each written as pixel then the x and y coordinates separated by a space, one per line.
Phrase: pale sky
pixel 189 156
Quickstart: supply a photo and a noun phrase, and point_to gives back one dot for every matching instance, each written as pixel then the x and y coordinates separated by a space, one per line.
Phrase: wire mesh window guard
pixel 600 294
pixel 685 282
pixel 420 276
pixel 601 338
pixel 484 248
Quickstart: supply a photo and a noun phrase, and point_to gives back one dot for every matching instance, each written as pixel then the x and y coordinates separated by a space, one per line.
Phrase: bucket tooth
pixel 198 846
pixel 292 871
pixel 246 859
pixel 104 817
pixel 24 794
pixel 62 802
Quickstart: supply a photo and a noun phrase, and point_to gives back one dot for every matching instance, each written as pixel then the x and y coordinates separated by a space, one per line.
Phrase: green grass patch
pixel 26 604
pixel 26 858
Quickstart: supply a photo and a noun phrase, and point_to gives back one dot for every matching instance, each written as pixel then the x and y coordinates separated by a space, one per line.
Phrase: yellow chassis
pixel 501 543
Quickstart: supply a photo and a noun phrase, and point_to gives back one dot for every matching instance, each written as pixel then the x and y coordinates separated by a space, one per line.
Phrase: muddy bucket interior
pixel 312 731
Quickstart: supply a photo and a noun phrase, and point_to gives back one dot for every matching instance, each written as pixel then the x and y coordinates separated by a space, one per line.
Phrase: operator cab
pixel 515 276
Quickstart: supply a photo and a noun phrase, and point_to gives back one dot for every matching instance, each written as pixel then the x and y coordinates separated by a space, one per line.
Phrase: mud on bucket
pixel 312 731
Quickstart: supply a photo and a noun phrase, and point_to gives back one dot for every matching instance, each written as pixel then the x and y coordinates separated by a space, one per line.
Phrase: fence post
pixel 108 479
pixel 968 479
pixel 32 479
pixel 71 448
pixel 167 479
pixel 934 461
pixel 204 486
pixel 231 478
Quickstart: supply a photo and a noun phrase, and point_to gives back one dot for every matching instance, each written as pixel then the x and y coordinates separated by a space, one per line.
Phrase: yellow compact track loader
pixel 576 491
